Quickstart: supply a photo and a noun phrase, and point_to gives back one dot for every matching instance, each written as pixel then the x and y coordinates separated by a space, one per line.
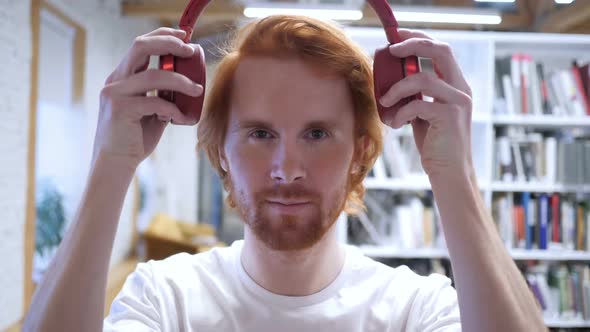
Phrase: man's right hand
pixel 130 123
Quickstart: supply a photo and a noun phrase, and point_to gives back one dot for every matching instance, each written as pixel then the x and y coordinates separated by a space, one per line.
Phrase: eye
pixel 261 134
pixel 318 134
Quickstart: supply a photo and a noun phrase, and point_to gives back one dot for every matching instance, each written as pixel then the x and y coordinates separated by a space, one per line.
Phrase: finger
pixel 426 83
pixel 416 109
pixel 141 83
pixel 145 46
pixel 178 33
pixel 140 107
pixel 419 44
pixel 164 118
pixel 160 45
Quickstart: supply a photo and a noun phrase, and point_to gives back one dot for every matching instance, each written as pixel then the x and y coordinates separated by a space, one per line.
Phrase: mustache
pixel 291 191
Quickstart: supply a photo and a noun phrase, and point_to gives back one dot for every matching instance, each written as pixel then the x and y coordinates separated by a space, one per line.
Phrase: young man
pixel 292 128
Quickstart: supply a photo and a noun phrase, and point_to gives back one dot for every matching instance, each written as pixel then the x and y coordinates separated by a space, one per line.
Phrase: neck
pixel 297 273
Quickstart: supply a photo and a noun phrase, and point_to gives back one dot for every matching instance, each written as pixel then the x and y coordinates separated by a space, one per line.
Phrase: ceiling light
pixel 453 15
pixel 502 1
pixel 564 2
pixel 320 13
pixel 425 14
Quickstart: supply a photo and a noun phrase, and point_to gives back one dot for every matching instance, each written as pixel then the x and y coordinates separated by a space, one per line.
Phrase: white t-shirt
pixel 211 291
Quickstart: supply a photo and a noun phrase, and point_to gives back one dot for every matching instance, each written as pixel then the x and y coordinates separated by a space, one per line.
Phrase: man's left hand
pixel 442 128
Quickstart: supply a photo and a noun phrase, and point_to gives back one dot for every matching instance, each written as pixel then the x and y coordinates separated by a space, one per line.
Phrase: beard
pixel 286 231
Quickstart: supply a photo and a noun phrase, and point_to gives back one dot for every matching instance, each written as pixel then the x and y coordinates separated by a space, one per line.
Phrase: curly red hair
pixel 325 47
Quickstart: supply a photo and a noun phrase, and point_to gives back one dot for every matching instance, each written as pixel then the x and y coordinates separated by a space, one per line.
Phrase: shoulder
pixel 400 275
pixel 217 261
pixel 421 301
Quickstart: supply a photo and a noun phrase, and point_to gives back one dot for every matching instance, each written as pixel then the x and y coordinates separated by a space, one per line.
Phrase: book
pixel 581 89
pixel 543 220
pixel 555 218
pixel 581 226
pixel 524 85
pixel 531 157
pixel 529 217
pixel 585 77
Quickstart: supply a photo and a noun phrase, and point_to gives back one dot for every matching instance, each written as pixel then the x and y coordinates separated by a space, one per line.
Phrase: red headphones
pixel 387 69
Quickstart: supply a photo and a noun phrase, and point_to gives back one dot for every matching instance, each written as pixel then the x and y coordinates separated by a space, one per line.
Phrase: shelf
pixel 538 187
pixel 394 252
pixel 566 323
pixel 418 183
pixel 541 121
pixel 411 184
pixel 434 253
pixel 550 255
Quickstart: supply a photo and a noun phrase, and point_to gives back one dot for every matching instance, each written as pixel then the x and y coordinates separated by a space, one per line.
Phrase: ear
pixel 223 161
pixel 360 149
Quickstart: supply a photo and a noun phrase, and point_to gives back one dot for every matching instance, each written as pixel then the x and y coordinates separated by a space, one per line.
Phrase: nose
pixel 287 165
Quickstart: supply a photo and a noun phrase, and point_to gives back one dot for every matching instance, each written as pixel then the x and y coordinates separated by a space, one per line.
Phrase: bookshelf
pixel 417 183
pixel 421 184
pixel 477 54
pixel 566 323
pixel 539 187
pixel 537 121
pixel 438 253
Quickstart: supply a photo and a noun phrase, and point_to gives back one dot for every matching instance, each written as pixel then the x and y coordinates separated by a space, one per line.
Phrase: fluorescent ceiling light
pixel 454 15
pixel 321 13
pixel 564 2
pixel 503 1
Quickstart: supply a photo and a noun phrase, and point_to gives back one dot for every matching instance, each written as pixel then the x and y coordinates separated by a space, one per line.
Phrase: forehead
pixel 287 86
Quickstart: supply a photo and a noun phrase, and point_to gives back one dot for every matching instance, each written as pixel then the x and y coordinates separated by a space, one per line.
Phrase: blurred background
pixel 526 61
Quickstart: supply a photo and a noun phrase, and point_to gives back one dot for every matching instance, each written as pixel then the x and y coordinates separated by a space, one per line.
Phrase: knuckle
pixel 423 42
pixel 425 35
pixel 151 74
pixel 106 92
pixel 466 101
pixel 181 81
pixel 139 43
pixel 117 104
pixel 110 79
pixel 177 42
pixel 445 48
pixel 414 104
pixel 163 29
pixel 455 108
pixel 427 78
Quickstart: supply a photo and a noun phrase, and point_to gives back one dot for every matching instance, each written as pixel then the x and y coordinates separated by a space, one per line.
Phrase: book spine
pixel 543 220
pixel 584 99
pixel 529 220
pixel 555 218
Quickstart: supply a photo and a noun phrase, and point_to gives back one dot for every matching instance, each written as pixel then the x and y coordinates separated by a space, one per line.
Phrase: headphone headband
pixel 383 10
pixel 189 17
pixel 381 7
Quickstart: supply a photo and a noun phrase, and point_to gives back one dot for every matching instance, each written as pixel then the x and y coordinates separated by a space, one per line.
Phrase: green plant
pixel 50 219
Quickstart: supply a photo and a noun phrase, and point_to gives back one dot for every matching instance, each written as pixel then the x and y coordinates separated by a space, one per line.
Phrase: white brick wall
pixel 108 38
pixel 15 55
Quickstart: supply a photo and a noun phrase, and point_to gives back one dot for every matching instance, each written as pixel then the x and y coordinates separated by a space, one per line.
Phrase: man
pixel 292 128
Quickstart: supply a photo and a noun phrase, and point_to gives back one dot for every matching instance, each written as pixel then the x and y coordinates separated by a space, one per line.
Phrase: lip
pixel 291 207
pixel 288 202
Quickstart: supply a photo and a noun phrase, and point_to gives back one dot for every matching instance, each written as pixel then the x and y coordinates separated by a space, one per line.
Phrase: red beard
pixel 285 231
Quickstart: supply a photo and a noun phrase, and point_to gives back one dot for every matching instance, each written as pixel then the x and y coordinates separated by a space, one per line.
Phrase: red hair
pixel 325 47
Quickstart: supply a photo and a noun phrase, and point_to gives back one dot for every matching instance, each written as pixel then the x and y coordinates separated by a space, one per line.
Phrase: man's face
pixel 288 147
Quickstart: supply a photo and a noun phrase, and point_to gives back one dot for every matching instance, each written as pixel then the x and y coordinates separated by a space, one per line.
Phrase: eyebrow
pixel 246 124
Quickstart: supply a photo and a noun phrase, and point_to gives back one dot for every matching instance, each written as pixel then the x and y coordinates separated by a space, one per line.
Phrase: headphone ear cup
pixel 387 71
pixel 193 68
pixel 167 63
